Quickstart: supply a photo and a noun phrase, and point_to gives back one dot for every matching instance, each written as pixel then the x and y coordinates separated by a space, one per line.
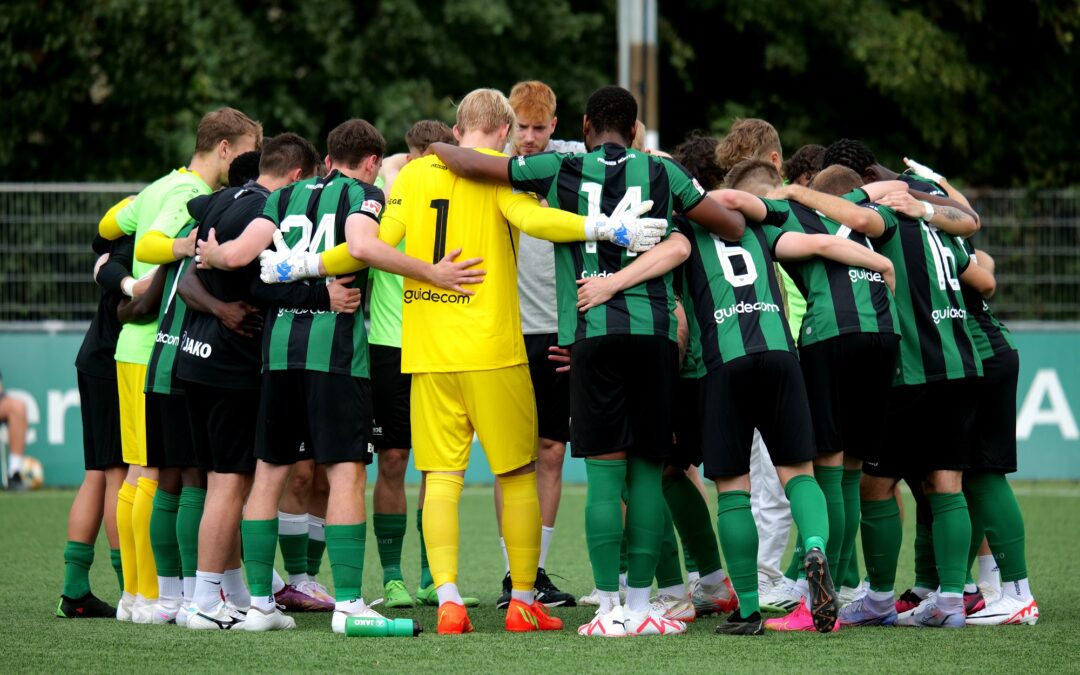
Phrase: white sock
pixel 127 597
pixel 208 591
pixel 691 576
pixel 264 605
pixel 678 590
pixel 449 593
pixel 1018 589
pixel 951 602
pixel 970 588
pixel 236 592
pixel 622 581
pixel 277 583
pixel 506 556
pixel 316 527
pixel 637 599
pixel 292 523
pixel 297 579
pixel 349 606
pixel 609 600
pixel 546 533
pixel 170 588
pixel 14 464
pixel 714 578
pixel 189 588
pixel 922 592
pixel 989 574
pixel 880 599
pixel 523 596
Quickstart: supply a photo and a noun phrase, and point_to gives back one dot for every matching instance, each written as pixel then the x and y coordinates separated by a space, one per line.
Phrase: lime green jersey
pixel 161 206
pixel 387 293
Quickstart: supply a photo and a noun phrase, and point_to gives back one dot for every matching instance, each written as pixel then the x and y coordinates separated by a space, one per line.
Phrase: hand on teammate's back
pixel 343 299
pixel 560 355
pixel 454 276
pixel 185 248
pixel 240 317
pixel 595 291
pixel 904 203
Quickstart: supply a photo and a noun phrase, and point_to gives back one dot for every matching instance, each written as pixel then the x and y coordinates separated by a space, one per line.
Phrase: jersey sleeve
pixel 535 173
pixel 963 258
pixel 366 199
pixel 892 221
pixel 772 235
pixel 113 225
pixel 524 212
pixel 856 196
pixel 393 224
pixel 174 213
pixel 685 189
pixel 272 209
pixel 777 212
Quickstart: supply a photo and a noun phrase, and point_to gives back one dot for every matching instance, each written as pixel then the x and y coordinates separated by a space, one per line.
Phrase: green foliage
pixel 112 89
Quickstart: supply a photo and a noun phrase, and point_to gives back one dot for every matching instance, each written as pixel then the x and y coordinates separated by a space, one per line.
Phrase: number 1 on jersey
pixel 442 212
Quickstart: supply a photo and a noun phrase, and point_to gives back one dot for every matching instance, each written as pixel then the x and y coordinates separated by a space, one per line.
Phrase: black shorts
pixel 390 399
pixel 223 425
pixel 761 391
pixel 100 422
pixel 994 449
pixel 620 395
pixel 552 389
pixel 848 381
pixel 687 449
pixel 330 414
pixel 928 427
pixel 169 442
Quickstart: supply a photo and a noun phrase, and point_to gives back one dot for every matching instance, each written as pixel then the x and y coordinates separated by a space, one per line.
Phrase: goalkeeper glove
pixel 283 265
pixel 923 171
pixel 627 228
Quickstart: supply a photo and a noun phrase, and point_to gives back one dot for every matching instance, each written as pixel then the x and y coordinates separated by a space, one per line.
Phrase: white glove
pixel 627 228
pixel 923 171
pixel 283 265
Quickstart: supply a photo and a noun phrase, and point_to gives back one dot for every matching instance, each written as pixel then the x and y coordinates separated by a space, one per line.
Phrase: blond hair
pixel 748 139
pixel 225 124
pixel 533 100
pixel 484 110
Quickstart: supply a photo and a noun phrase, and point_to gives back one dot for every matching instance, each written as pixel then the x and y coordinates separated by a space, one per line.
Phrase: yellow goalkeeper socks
pixel 521 528
pixel 441 525
pixel 125 501
pixel 144 553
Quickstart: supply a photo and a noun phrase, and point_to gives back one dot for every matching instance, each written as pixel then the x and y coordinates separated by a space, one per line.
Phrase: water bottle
pixel 370 626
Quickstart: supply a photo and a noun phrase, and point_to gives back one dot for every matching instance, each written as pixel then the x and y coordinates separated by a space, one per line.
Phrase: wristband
pixel 128 286
pixel 928 211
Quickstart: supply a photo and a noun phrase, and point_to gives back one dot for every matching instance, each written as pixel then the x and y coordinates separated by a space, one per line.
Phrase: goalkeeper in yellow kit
pixel 465 348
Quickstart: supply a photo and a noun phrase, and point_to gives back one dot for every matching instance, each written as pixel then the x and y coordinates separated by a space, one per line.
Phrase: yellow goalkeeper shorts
pixel 131 381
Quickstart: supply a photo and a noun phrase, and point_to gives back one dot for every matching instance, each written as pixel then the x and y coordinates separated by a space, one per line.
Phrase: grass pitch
pixel 32 535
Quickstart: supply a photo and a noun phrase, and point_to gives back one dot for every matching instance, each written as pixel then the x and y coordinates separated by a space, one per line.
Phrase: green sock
pixel 163 541
pixel 691 517
pixel 926 573
pixel 882 534
pixel 809 511
pixel 952 535
pixel 425 572
pixel 346 544
pixel 795 568
pixel 78 557
pixel 991 495
pixel 739 538
pixel 603 519
pixel 644 520
pixel 668 567
pixel 688 559
pixel 830 480
pixel 188 519
pixel 849 557
pixel 114 556
pixel 259 539
pixel 294 550
pixel 389 536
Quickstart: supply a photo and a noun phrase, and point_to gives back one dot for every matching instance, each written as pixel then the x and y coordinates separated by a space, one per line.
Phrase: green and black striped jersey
pixel 693 367
pixel 161 369
pixel 991 337
pixel 935 343
pixel 840 299
pixel 735 293
pixel 606 180
pixel 311 215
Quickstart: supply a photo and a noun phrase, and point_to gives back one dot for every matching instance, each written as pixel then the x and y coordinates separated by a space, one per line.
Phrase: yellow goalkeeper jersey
pixel 444 331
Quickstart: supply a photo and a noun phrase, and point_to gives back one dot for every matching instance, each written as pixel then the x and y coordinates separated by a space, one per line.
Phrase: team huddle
pixel 804 334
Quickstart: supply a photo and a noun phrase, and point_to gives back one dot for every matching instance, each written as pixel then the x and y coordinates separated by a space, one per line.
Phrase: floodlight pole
pixel 638 61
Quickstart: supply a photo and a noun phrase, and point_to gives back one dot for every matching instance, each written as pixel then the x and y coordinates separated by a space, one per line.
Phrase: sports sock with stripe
pixel 521 530
pixel 691 517
pixel 389 537
pixel 668 568
pixel 739 539
pixel 345 545
pixel 141 511
pixel 164 544
pixel 442 499
pixel 425 570
pixel 259 539
pixel 316 545
pixel 808 511
pixel 292 537
pixel 882 534
pixel 952 534
pixel 188 519
pixel 830 480
pixel 992 496
pixel 125 502
pixel 849 557
pixel 603 519
pixel 78 557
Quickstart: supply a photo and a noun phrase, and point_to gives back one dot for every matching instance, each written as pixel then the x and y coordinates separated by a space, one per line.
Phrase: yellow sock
pixel 521 528
pixel 140 522
pixel 441 525
pixel 125 500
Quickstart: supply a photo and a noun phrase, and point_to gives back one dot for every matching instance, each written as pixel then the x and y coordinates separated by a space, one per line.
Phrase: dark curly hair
pixel 697 154
pixel 806 160
pixel 614 109
pixel 855 155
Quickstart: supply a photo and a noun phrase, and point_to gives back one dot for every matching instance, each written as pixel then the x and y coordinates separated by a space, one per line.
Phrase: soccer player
pixel 13 414
pixel 96 499
pixel 931 407
pixel 620 426
pixel 154 218
pixel 534 107
pixel 801 167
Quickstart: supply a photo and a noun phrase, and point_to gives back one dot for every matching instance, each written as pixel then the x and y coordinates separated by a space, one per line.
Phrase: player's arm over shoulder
pixel 524 211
